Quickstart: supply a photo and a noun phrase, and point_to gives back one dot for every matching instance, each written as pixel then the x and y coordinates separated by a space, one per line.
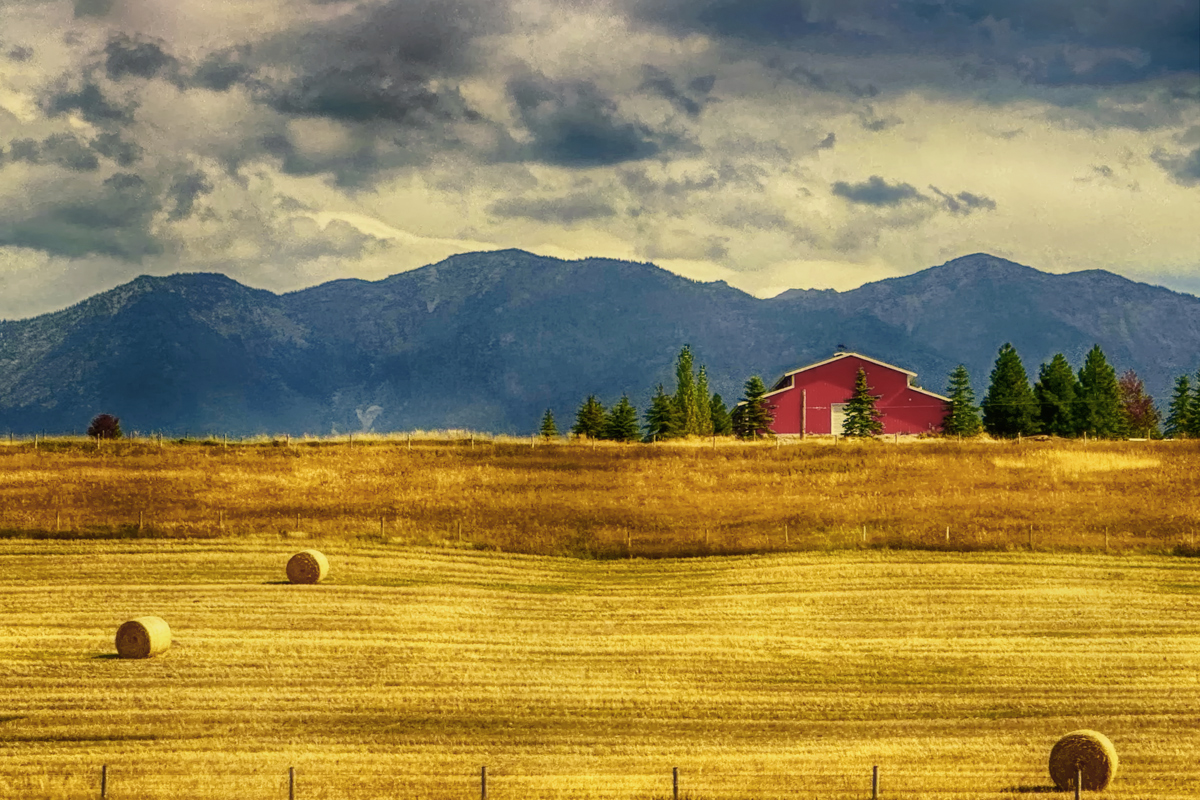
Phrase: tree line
pixel 1093 402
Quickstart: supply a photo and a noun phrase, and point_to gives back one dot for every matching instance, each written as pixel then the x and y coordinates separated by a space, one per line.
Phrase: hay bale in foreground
pixel 143 637
pixel 1088 751
pixel 307 566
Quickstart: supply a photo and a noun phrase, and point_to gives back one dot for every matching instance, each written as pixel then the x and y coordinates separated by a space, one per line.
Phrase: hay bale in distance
pixel 307 566
pixel 143 637
pixel 1084 750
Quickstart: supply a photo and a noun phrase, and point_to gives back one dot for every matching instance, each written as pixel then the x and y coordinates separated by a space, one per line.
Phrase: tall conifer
pixel 623 422
pixel 685 392
pixel 862 418
pixel 662 419
pixel 591 419
pixel 754 415
pixel 704 425
pixel 1179 412
pixel 1098 409
pixel 962 415
pixel 722 424
pixel 1056 390
pixel 1009 407
pixel 548 430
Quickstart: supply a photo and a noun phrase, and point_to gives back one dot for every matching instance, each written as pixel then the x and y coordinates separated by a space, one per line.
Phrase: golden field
pixel 783 660
pixel 778 676
pixel 613 500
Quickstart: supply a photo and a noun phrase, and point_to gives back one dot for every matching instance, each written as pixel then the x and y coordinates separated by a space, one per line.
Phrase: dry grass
pixel 605 501
pixel 778 676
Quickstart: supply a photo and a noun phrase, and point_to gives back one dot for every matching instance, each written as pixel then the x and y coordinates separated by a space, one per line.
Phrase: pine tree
pixel 1179 412
pixel 1141 415
pixel 685 393
pixel 1009 407
pixel 754 415
pixel 548 430
pixel 862 418
pixel 662 419
pixel 591 419
pixel 962 415
pixel 703 404
pixel 623 422
pixel 1056 391
pixel 1193 416
pixel 722 425
pixel 1098 408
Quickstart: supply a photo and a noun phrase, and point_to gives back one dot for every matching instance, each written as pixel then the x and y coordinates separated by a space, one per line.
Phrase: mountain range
pixel 488 341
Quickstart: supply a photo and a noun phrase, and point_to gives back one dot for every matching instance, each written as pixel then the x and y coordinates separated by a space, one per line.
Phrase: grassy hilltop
pixel 614 500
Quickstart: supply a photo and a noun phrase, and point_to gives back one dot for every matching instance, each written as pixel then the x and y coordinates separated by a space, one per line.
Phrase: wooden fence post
pixel 483 783
pixel 875 782
pixel 1078 781
pixel 291 783
pixel 675 782
pixel 103 781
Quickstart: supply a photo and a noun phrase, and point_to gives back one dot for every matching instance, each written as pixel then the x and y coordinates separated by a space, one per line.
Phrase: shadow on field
pixel 106 657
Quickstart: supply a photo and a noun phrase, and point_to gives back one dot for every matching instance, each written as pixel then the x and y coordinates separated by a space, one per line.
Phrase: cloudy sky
pixel 768 143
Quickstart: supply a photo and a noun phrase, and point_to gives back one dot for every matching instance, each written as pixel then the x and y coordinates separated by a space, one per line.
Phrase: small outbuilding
pixel 813 399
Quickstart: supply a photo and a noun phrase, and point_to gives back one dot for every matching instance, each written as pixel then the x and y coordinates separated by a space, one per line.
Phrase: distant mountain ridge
pixel 488 341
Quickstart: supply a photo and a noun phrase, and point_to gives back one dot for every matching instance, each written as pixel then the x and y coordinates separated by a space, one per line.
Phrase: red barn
pixel 812 399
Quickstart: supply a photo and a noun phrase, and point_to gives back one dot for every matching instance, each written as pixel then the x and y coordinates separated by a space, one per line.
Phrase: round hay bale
pixel 307 566
pixel 1088 751
pixel 143 637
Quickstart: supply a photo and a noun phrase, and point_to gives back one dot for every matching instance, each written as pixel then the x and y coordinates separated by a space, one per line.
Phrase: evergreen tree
pixel 662 419
pixel 1098 409
pixel 1141 415
pixel 862 418
pixel 1179 412
pixel 1193 415
pixel 703 404
pixel 722 425
pixel 685 393
pixel 1056 391
pixel 591 419
pixel 1009 407
pixel 548 430
pixel 962 415
pixel 754 414
pixel 623 422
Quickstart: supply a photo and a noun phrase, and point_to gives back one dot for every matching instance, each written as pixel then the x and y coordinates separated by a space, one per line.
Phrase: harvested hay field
pixel 776 676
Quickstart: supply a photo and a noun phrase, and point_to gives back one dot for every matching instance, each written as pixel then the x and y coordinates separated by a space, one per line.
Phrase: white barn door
pixel 837 417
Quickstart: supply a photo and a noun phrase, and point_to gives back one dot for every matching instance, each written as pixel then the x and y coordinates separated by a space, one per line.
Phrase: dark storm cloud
pixel 574 124
pixel 964 203
pixel 1051 42
pixel 691 102
pixel 62 149
pixel 126 56
pixel 112 146
pixel 1184 169
pixel 366 93
pixel 19 53
pixel 220 71
pixel 113 220
pixel 827 143
pixel 875 191
pixel 89 100
pixel 183 193
pixel 566 210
